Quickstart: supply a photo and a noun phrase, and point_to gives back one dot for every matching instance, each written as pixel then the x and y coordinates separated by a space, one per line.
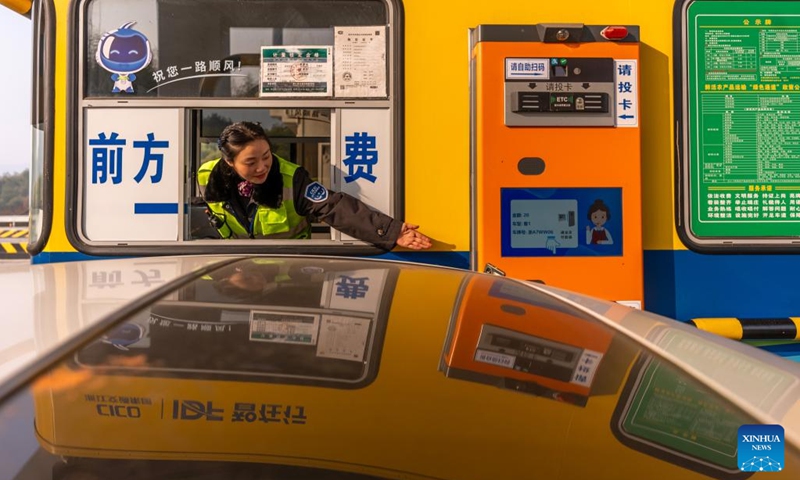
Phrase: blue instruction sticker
pixel 547 222
pixel 316 192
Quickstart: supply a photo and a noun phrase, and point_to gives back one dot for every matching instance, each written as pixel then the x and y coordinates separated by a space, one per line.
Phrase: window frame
pixel 43 16
pixel 78 105
pixel 686 201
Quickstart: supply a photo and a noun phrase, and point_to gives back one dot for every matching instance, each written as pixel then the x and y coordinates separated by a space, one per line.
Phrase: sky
pixel 15 92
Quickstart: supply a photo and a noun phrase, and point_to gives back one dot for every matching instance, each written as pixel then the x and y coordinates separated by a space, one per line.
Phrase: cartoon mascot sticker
pixel 599 214
pixel 123 52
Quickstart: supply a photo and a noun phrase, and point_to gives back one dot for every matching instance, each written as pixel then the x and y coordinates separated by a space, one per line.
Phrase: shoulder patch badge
pixel 316 192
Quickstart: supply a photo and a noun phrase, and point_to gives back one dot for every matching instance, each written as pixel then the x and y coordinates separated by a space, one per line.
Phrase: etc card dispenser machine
pixel 556 161
pixel 505 335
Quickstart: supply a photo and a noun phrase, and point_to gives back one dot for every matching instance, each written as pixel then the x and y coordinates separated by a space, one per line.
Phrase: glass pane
pixel 177 48
pixel 300 135
pixel 295 133
pixel 36 197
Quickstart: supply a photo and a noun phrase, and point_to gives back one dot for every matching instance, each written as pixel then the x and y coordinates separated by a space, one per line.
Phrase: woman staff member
pixel 253 193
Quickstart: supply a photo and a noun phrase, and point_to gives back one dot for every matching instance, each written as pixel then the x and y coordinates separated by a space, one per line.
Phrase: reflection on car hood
pixel 54 302
pixel 396 370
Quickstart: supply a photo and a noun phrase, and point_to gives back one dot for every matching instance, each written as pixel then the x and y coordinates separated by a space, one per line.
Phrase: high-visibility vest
pixel 281 222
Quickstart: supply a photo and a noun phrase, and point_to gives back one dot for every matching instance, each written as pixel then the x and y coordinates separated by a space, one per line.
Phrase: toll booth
pixel 556 170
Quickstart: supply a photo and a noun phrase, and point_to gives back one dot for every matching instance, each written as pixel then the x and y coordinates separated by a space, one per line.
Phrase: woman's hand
pixel 411 238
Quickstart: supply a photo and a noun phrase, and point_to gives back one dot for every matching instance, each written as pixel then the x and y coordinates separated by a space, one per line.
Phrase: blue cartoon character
pixel 127 335
pixel 599 214
pixel 123 52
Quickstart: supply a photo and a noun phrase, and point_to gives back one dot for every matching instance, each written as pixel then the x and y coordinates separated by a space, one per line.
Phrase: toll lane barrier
pixel 785 328
pixel 14 243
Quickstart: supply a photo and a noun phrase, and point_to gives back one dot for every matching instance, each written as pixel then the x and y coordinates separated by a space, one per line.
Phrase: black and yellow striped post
pixel 785 328
pixel 14 243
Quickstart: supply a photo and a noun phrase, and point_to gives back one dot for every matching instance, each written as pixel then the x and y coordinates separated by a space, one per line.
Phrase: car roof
pixel 55 302
pixel 382 368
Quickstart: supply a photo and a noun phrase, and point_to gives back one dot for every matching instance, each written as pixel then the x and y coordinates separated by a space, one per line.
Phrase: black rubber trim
pixel 399 106
pixel 46 38
pixel 72 118
pixel 543 32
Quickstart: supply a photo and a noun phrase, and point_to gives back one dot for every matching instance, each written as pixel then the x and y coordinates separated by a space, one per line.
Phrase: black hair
pixel 221 279
pixel 237 135
pixel 233 139
pixel 598 205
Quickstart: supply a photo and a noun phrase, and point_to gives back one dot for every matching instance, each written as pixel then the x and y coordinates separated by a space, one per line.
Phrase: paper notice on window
pixel 356 290
pixel 586 368
pixel 296 71
pixel 344 338
pixel 281 327
pixel 359 61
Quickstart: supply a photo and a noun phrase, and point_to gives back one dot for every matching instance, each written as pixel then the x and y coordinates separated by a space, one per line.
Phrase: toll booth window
pixel 299 135
pixel 203 48
pixel 160 80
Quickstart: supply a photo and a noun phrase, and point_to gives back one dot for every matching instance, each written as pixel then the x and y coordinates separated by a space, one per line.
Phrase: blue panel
pixel 686 285
pixel 547 222
pixel 447 259
pixel 155 208
pixel 789 350
pixel 659 282
pixel 58 257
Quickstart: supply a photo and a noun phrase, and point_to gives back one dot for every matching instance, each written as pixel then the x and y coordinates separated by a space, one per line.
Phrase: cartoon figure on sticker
pixel 599 214
pixel 123 52
pixel 126 336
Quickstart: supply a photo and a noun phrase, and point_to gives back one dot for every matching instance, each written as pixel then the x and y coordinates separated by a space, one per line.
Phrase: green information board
pixel 676 413
pixel 740 122
pixel 665 413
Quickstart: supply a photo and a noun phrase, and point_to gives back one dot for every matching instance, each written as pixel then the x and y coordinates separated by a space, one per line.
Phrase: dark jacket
pixel 339 210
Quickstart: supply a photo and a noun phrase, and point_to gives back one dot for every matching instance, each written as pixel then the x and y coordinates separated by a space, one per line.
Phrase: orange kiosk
pixel 556 170
pixel 509 337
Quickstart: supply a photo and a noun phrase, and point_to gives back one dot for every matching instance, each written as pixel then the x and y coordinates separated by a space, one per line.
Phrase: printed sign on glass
pixel 283 327
pixel 123 52
pixel 132 174
pixel 296 71
pixel 356 291
pixel 360 61
pixel 365 157
pixel 627 94
pixel 101 281
pixel 344 338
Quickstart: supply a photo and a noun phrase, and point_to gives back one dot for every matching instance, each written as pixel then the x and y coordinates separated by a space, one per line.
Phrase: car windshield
pixel 291 367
